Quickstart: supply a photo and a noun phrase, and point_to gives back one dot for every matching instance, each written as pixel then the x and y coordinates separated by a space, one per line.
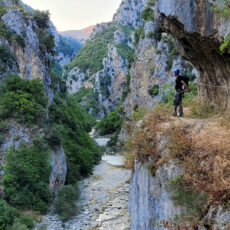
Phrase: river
pixel 104 199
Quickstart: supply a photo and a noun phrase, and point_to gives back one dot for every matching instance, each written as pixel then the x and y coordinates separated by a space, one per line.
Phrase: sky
pixel 76 14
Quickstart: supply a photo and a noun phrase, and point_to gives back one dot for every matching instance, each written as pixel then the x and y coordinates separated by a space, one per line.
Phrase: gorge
pixel 152 171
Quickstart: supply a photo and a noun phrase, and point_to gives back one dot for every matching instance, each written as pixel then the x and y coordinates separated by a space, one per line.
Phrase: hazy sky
pixel 76 14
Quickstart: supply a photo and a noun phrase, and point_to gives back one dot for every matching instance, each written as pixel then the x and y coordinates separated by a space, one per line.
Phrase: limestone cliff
pixel 27 50
pixel 199 31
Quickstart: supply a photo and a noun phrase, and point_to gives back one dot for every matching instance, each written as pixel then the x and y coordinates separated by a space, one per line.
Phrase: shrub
pixel 46 41
pixel 124 50
pixel 7 215
pixel 41 18
pixel 18 39
pixel 72 125
pixel 28 221
pixel 154 90
pixel 111 123
pixel 138 34
pixel 18 226
pixel 24 100
pixel 148 14
pixel 4 31
pixel 65 203
pixel 184 194
pixel 26 177
pixel 89 100
pixel 139 114
pixel 1 139
pixel 7 58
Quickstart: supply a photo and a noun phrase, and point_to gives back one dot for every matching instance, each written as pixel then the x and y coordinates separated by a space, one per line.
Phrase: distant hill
pixel 81 35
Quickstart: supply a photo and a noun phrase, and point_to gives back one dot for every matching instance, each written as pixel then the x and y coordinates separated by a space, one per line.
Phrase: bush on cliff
pixel 23 100
pixel 71 124
pixel 26 177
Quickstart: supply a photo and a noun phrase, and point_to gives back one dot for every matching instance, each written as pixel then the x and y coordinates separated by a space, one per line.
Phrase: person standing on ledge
pixel 181 86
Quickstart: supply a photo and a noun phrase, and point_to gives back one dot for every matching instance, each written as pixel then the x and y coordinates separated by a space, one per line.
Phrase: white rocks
pixel 75 80
pixel 103 202
pixel 129 11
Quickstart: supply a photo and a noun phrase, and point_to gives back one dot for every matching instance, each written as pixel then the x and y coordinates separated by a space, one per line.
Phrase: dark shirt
pixel 179 84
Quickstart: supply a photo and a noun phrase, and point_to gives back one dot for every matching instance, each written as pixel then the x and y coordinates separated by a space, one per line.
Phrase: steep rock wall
pixel 151 207
pixel 153 66
pixel 129 13
pixel 199 33
pixel 14 135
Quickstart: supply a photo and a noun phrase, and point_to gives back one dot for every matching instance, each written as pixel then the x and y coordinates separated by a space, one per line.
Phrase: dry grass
pixel 201 147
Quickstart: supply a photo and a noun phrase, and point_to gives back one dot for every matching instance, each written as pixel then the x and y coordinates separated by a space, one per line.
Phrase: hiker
pixel 181 87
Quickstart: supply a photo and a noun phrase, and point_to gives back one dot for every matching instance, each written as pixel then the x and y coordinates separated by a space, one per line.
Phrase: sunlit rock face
pixel 199 33
pixel 129 13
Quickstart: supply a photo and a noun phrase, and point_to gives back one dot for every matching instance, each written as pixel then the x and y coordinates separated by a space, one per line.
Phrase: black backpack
pixel 186 79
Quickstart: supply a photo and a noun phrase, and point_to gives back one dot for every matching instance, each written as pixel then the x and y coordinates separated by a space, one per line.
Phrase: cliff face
pixel 151 207
pixel 153 67
pixel 27 50
pixel 129 13
pixel 199 32
pixel 30 61
pixel 175 189
pixel 14 135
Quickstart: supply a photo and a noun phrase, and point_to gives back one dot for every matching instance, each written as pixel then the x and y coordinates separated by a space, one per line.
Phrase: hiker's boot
pixel 181 115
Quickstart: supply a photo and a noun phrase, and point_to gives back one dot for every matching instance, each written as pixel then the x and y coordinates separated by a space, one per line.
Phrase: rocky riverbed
pixel 103 202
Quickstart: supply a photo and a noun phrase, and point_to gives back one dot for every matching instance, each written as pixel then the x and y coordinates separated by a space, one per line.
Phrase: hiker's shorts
pixel 178 98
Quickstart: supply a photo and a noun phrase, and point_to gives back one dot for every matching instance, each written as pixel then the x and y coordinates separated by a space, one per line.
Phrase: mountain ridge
pixel 81 35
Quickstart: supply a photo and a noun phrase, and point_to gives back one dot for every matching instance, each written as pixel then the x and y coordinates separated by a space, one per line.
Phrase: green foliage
pixel 104 85
pixel 65 202
pixel 169 64
pixel 41 18
pixel 92 53
pixel 138 34
pixel 24 100
pixel 68 46
pixel 18 39
pixel 111 123
pixel 168 93
pixel 7 215
pixel 224 10
pixel 183 194
pixel 7 58
pixel 1 140
pixel 148 14
pixel 28 221
pixel 154 90
pixel 46 41
pixel 4 31
pixel 58 85
pixel 139 114
pixel 26 177
pixel 71 125
pixel 225 45
pixel 18 226
pixel 124 50
pixel 89 100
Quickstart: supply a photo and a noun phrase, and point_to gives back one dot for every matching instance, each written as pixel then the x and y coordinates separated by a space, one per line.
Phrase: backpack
pixel 186 79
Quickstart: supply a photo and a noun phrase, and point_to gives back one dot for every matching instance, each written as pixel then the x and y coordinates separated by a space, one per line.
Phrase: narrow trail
pixel 103 201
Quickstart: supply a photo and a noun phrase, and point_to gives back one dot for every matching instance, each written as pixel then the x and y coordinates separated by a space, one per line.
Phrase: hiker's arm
pixel 186 86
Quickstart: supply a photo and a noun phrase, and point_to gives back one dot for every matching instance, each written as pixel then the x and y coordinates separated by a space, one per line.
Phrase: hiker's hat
pixel 176 71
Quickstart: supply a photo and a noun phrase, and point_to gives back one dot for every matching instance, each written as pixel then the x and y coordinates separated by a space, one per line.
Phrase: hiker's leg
pixel 175 105
pixel 181 107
